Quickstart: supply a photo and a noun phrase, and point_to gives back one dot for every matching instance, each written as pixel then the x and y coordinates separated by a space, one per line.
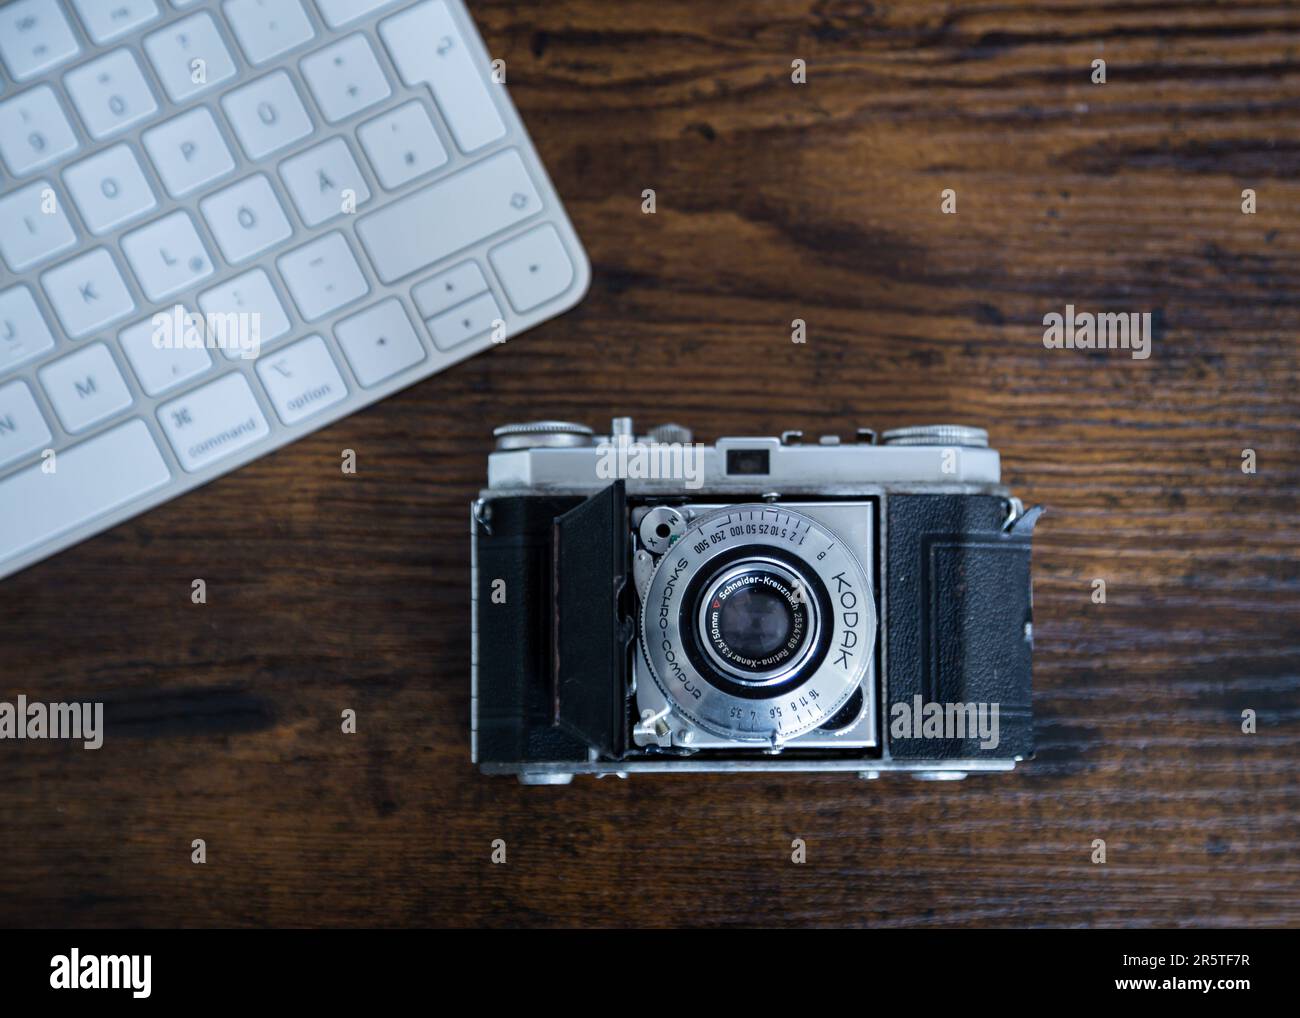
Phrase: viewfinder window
pixel 748 461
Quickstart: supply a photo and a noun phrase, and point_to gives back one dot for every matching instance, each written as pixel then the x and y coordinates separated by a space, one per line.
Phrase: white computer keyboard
pixel 342 187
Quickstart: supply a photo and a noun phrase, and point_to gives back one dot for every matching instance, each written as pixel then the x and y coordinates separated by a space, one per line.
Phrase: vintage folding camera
pixel 646 603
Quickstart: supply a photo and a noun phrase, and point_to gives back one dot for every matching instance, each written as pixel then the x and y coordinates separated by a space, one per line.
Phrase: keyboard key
pixel 250 294
pixel 188 152
pixel 189 56
pixel 533 268
pixel 267 115
pixel 85 387
pixel 99 475
pixel 461 324
pixel 213 422
pixel 267 28
pixel 447 289
pixel 110 93
pixel 340 12
pixel 301 379
pixel 87 293
pixel 22 428
pixel 402 145
pixel 106 20
pixel 446 217
pixel 323 276
pixel 23 331
pixel 34 131
pixel 427 48
pixel 379 342
pixel 345 78
pixel 110 189
pixel 33 226
pixel 246 218
pixel 167 255
pixel 321 179
pixel 165 351
pixel 35 36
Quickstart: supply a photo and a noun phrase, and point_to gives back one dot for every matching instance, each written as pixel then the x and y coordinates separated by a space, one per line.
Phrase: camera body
pixel 647 603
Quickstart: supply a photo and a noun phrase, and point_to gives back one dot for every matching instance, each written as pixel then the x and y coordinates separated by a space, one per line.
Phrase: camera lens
pixel 757 622
pixel 760 625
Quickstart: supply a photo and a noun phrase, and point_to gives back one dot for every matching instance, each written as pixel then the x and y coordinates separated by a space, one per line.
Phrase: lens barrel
pixel 757 621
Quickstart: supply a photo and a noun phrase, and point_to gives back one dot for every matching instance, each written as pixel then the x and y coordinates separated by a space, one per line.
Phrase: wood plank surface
pixel 775 201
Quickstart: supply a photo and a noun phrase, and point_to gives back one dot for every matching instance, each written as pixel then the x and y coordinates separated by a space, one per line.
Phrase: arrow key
pixel 379 342
pixel 533 268
pixel 465 321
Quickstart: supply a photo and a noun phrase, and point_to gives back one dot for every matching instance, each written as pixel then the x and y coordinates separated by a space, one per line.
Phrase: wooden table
pixel 775 201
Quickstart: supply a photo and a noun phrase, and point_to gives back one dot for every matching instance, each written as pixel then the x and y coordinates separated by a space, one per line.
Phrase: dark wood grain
pixel 775 201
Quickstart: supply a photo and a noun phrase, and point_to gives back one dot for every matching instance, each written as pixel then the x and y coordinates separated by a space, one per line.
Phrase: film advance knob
pixel 938 434
pixel 542 434
pixel 671 434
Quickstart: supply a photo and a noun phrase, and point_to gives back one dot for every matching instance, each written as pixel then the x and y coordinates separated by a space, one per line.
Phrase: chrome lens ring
pixel 803 694
pixel 757 621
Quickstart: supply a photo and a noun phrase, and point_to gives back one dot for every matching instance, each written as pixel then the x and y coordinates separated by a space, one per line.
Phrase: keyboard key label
pixel 402 145
pixel 379 342
pixel 23 332
pixel 33 226
pixel 34 131
pixel 446 217
pixel 167 255
pixel 265 30
pixel 468 321
pixel 88 293
pixel 246 218
pixel 106 21
pixel 267 115
pixel 325 182
pixel 85 387
pixel 213 422
pixel 111 93
pixel 447 289
pixel 189 56
pixel 165 353
pixel 447 67
pixel 302 379
pixel 188 152
pixel 345 78
pixel 249 294
pixel 323 276
pixel 533 268
pixel 110 189
pixel 34 36
pixel 22 428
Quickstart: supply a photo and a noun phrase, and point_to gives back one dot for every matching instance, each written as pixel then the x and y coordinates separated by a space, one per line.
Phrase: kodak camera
pixel 647 603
